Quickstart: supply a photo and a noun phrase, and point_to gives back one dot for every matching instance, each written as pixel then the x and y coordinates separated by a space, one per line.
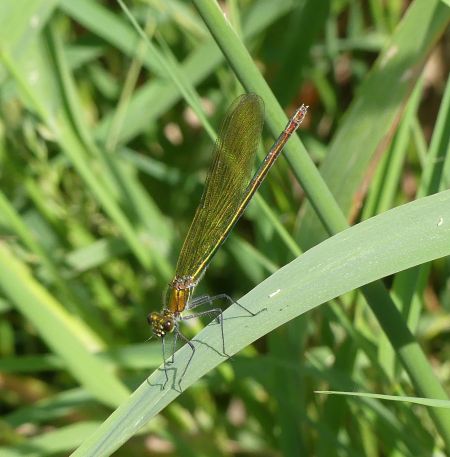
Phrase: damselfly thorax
pixel 177 300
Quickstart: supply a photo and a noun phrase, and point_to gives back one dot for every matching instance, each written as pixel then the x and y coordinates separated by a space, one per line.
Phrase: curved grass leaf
pixel 58 328
pixel 435 403
pixel 398 239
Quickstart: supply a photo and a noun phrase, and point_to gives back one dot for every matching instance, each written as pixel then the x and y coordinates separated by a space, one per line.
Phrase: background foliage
pixel 105 138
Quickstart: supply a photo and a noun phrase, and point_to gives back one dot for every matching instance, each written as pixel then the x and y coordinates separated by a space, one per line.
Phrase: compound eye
pixel 168 326
pixel 152 317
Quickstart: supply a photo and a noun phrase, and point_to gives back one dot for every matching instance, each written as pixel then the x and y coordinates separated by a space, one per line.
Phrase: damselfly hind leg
pixel 201 300
pixel 218 316
pixel 217 313
pixel 206 299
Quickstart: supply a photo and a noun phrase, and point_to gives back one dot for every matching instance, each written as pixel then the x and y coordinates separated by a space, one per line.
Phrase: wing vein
pixel 226 182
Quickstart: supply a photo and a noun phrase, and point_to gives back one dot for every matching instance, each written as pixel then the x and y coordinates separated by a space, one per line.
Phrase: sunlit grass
pixel 105 138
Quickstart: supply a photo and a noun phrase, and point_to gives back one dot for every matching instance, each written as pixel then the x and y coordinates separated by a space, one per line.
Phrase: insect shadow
pixel 177 335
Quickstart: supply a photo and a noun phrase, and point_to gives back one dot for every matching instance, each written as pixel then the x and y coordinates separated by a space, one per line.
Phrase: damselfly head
pixel 161 323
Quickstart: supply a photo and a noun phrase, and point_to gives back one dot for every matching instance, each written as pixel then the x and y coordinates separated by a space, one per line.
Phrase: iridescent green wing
pixel 226 182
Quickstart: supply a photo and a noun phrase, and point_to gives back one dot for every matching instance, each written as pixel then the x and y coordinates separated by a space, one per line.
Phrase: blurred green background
pixel 105 140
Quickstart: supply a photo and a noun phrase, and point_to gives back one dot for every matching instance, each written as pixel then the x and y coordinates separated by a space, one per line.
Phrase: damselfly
pixel 228 190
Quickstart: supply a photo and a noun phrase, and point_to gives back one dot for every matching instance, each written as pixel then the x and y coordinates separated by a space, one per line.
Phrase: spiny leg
pixel 174 348
pixel 219 318
pixel 163 345
pixel 201 300
pixel 190 358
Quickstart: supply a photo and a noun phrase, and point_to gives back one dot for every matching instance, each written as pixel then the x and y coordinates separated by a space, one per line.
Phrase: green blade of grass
pixel 92 16
pixel 53 442
pixel 21 22
pixel 136 357
pixel 348 260
pixel 43 98
pixel 62 333
pixel 371 119
pixel 424 19
pixel 416 400
pixel 159 95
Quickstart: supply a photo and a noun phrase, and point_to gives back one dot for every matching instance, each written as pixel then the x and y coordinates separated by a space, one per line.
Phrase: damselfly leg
pixel 217 313
pixel 229 187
